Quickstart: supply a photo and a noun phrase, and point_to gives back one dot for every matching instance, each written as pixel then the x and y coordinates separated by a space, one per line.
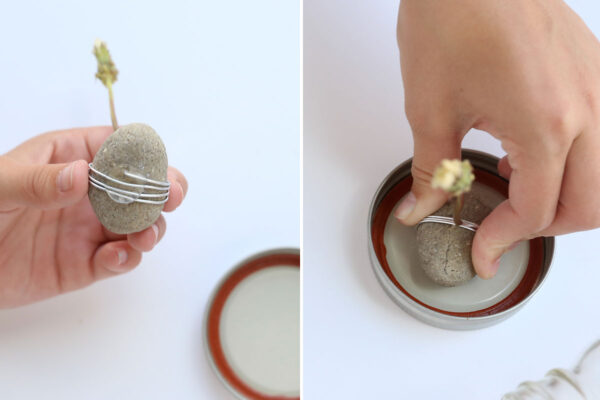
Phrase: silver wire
pixel 471 226
pixel 125 196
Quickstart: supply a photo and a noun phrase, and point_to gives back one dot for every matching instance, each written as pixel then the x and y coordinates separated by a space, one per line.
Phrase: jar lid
pixel 252 327
pixel 477 304
pixel 403 262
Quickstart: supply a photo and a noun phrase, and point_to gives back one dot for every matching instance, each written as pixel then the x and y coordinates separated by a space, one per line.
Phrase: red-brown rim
pixel 520 293
pixel 214 318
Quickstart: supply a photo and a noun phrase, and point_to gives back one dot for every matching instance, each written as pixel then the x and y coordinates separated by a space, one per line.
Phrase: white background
pixel 219 81
pixel 357 343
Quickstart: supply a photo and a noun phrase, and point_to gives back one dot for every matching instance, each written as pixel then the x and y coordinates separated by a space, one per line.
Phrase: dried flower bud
pixel 453 176
pixel 107 72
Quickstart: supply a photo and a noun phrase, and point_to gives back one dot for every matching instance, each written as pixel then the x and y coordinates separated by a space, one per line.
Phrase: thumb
pixel 423 199
pixel 44 186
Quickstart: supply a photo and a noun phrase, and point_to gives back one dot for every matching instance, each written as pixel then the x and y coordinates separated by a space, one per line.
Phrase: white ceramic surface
pixel 403 259
pixel 260 330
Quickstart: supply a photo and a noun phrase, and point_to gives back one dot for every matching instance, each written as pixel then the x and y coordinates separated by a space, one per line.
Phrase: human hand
pixel 526 72
pixel 51 241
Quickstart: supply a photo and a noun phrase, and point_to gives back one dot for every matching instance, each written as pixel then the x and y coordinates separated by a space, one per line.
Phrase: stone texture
pixel 445 250
pixel 138 149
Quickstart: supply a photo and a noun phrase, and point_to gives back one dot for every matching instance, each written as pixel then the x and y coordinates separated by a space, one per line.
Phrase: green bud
pixel 107 72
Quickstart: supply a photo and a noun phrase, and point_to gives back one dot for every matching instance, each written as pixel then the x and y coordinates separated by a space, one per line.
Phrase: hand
pixel 528 73
pixel 51 241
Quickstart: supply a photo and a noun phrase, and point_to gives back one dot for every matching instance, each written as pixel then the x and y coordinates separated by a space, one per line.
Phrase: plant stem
pixel 458 206
pixel 113 114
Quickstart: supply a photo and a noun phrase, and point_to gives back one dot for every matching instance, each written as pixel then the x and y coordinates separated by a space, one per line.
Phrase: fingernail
pixel 155 229
pixel 122 256
pixel 65 178
pixel 406 207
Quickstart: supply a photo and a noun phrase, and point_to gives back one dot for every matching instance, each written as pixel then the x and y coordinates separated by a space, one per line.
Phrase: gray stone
pixel 445 250
pixel 136 148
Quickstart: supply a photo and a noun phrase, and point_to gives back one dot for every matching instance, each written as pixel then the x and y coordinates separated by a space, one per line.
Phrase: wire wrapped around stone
pixel 126 196
pixel 471 226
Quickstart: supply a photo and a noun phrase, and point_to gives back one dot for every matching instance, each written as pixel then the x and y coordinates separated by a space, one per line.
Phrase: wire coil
pixel 471 226
pixel 160 189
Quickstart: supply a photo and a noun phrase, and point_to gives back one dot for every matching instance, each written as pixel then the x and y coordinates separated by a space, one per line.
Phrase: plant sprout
pixel 107 74
pixel 454 177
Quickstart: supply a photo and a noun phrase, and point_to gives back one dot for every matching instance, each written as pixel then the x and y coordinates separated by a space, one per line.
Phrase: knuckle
pixel 29 188
pixel 35 184
pixel 558 127
pixel 559 121
pixel 421 176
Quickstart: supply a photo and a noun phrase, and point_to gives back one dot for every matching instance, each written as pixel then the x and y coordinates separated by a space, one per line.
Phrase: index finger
pixel 62 146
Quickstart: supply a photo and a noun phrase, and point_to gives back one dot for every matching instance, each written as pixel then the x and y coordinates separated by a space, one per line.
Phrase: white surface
pixel 357 343
pixel 219 81
pixel 477 294
pixel 260 330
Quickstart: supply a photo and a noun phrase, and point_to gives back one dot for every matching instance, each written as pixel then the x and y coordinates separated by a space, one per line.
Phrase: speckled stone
pixel 138 149
pixel 445 250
